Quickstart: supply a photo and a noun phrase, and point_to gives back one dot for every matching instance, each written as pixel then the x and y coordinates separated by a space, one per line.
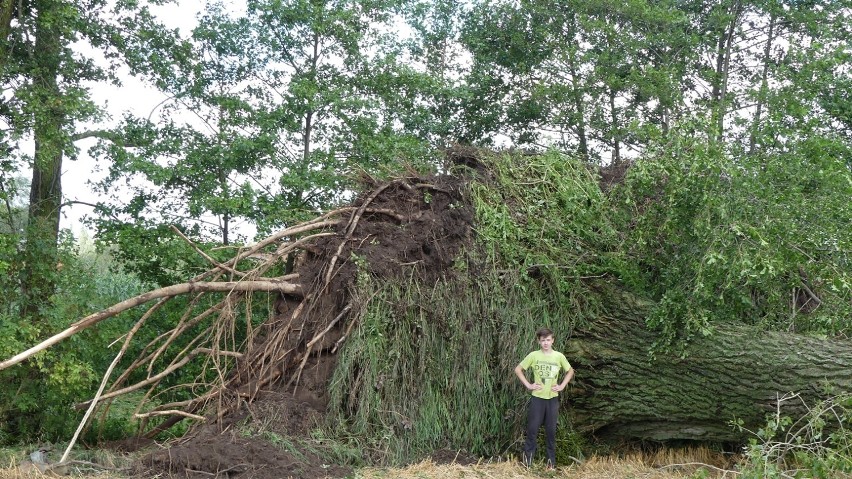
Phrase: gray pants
pixel 542 411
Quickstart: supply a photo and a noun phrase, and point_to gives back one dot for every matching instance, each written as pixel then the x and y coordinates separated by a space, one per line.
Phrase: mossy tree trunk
pixel 736 373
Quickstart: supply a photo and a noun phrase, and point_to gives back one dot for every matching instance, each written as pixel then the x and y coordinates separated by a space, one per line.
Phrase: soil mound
pixel 408 226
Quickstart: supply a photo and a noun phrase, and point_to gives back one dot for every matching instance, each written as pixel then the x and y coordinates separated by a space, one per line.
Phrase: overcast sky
pixel 134 97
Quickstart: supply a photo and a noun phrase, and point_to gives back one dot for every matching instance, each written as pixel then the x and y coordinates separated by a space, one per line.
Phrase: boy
pixel 544 403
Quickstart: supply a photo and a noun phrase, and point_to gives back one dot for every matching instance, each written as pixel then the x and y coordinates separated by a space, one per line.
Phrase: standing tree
pixel 280 106
pixel 52 53
pixel 595 79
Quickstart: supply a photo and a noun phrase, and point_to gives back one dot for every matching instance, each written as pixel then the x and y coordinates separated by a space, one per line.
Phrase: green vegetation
pixel 756 239
pixel 42 408
pixel 818 444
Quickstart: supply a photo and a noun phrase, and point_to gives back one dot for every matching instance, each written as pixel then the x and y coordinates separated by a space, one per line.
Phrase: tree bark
pixel 737 373
pixel 40 252
pixel 764 85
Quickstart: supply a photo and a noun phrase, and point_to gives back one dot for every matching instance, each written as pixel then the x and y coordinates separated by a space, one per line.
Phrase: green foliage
pixel 154 251
pixel 544 216
pixel 817 444
pixel 571 445
pixel 39 406
pixel 287 100
pixel 757 239
pixel 451 386
pixel 581 77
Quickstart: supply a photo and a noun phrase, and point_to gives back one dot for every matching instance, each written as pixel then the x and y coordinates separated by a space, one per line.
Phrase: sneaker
pixel 550 466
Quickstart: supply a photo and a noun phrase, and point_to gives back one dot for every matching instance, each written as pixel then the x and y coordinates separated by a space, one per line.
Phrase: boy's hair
pixel 543 333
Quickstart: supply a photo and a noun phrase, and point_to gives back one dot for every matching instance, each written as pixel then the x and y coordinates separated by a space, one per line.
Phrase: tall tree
pixel 280 105
pixel 52 53
pixel 51 109
pixel 595 79
pixel 48 66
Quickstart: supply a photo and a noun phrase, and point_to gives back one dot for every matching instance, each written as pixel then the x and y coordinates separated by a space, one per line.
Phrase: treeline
pixel 732 118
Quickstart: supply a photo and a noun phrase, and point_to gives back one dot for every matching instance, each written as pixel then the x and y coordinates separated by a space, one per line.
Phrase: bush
pixel 815 445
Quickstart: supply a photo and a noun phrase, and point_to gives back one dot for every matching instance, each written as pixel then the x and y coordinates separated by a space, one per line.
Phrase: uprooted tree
pixel 405 312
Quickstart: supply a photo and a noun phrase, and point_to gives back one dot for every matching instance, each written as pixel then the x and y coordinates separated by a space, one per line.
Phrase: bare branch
pixel 206 256
pixel 112 136
pixel 169 412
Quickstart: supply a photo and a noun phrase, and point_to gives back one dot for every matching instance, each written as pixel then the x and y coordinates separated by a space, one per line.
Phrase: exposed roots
pixel 312 308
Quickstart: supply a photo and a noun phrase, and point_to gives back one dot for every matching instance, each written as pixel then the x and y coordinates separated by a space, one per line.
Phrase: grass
pixel 666 464
pixel 698 463
pixel 11 460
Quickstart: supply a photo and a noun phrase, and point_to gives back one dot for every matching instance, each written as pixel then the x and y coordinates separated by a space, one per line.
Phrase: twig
pixel 701 464
pixel 803 280
pixel 169 412
pixel 144 317
pixel 353 223
pixel 217 473
pixel 108 373
pixel 319 336
pixel 174 367
pixel 182 325
pixel 315 224
pixel 61 464
pixel 344 336
pixel 141 359
pixel 94 401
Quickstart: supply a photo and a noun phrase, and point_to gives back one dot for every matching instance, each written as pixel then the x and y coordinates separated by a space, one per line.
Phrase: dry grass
pixel 14 472
pixel 666 464
pixel 593 469
pixel 97 464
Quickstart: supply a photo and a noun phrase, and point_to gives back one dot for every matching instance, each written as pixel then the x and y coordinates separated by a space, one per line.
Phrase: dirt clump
pixel 448 456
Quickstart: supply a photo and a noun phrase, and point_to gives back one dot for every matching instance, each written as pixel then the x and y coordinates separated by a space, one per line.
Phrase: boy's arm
pixel 567 379
pixel 519 371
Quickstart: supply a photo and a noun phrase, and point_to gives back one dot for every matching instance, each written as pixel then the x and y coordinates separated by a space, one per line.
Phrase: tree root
pixel 237 377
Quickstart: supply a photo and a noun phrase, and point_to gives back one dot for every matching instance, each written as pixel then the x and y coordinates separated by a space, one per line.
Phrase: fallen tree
pixel 736 375
pixel 406 312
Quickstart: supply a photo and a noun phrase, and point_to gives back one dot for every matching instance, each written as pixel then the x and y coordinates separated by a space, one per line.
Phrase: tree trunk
pixel 764 86
pixel 616 130
pixel 734 374
pixel 577 94
pixel 723 71
pixel 40 253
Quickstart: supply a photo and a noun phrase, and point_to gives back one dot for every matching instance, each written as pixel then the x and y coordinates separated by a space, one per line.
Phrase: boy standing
pixel 544 403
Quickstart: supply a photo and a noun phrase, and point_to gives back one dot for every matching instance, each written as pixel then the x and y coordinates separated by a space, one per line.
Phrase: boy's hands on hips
pixel 534 387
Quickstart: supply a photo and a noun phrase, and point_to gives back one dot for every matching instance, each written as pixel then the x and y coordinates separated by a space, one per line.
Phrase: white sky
pixel 133 96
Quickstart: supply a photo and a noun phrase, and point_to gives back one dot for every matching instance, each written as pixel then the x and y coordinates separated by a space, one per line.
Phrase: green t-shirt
pixel 546 368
